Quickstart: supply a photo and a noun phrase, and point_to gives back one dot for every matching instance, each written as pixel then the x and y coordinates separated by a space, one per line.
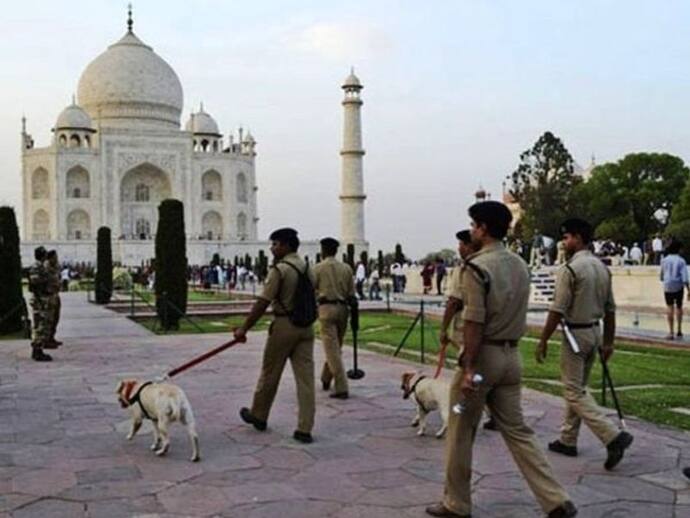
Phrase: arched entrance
pixel 141 191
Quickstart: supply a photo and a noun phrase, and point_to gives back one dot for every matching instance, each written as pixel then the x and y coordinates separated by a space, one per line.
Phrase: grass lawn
pixel 207 325
pixel 658 379
pixel 192 296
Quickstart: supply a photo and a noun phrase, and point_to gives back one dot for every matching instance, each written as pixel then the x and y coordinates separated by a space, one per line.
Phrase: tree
pixel 11 296
pixel 446 254
pixel 104 266
pixel 544 185
pixel 630 200
pixel 171 264
pixel 215 260
pixel 380 265
pixel 399 256
pixel 679 226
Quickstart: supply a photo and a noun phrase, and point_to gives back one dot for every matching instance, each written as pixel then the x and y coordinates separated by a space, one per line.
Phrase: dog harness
pixel 136 398
pixel 413 390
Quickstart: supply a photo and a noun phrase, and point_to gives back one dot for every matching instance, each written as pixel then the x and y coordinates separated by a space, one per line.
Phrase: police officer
pixel 454 304
pixel 285 339
pixel 334 289
pixel 38 285
pixel 583 296
pixel 495 291
pixel 54 303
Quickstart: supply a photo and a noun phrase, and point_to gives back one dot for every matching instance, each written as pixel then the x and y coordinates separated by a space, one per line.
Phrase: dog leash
pixel 191 363
pixel 442 357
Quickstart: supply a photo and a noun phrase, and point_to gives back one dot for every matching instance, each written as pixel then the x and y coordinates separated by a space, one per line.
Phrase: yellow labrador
pixel 429 394
pixel 162 403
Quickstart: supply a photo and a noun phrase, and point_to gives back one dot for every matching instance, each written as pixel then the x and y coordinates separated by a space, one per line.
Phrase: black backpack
pixel 304 312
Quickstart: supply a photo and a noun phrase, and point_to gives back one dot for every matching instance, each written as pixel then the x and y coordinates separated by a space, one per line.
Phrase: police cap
pixel 330 242
pixel 285 235
pixel 578 226
pixel 494 214
pixel 464 236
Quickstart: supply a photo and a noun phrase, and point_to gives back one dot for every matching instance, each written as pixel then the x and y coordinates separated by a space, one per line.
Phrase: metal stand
pixel 355 373
pixel 607 378
pixel 418 318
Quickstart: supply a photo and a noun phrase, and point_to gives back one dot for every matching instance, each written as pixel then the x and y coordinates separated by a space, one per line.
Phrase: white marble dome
pixel 130 84
pixel 73 117
pixel 352 81
pixel 202 123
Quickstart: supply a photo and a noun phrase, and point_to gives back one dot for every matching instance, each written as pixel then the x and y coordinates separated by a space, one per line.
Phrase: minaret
pixel 352 181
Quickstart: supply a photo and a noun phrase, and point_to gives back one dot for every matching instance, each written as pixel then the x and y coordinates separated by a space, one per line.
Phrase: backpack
pixel 304 312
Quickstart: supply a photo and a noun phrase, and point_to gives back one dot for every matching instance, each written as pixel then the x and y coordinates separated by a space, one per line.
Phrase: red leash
pixel 441 360
pixel 204 357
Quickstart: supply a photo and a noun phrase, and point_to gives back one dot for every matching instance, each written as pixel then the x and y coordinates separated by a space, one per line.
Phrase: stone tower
pixel 352 182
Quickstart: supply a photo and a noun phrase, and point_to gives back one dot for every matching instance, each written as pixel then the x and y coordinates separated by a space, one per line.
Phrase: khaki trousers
pixel 502 371
pixel 287 341
pixel 333 323
pixel 579 403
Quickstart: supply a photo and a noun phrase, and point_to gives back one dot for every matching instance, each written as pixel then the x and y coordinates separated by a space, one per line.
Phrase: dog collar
pixel 136 398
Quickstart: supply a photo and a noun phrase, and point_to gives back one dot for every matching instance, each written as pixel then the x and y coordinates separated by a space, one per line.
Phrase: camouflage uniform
pixel 39 280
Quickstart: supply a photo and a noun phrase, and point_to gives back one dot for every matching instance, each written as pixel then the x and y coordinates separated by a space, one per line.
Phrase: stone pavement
pixel 63 451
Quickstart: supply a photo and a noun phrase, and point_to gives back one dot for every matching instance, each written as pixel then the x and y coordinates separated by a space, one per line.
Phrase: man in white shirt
pixel 657 248
pixel 395 274
pixel 360 278
pixel 636 254
pixel 374 286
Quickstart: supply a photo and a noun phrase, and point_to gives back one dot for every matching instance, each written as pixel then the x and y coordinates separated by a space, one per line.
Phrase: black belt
pixel 572 325
pixel 323 302
pixel 501 343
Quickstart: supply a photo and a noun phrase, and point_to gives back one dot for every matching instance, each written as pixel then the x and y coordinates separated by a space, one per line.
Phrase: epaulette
pixel 483 276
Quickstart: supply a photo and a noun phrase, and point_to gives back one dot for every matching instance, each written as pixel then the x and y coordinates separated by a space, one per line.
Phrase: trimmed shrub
pixel 171 264
pixel 11 296
pixel 104 267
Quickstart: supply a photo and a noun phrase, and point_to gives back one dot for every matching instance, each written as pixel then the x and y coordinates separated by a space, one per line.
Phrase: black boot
pixel 38 355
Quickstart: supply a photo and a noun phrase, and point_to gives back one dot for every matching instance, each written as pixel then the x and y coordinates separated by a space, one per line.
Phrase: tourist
pixel 647 251
pixel 374 285
pixel 286 340
pixel 440 275
pixel 427 274
pixel 583 295
pixel 636 255
pixel 657 249
pixel 39 287
pixel 65 276
pixel 494 317
pixel 334 291
pixel 674 275
pixel 360 279
pixel 395 276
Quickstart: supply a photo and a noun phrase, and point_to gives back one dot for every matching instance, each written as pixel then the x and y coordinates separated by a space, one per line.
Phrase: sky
pixel 454 91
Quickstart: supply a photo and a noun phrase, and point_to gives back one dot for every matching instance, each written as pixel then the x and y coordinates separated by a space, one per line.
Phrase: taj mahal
pixel 118 150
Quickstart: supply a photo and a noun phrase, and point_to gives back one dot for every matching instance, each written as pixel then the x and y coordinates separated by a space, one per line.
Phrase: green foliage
pixel 380 264
pixel 448 255
pixel 399 257
pixel 215 260
pixel 171 264
pixel 623 197
pixel 544 185
pixel 364 257
pixel 11 297
pixel 104 266
pixel 679 226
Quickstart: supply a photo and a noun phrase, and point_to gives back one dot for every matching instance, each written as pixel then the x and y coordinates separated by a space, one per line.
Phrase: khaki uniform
pixel 501 307
pixel 583 299
pixel 286 341
pixel 455 291
pixel 334 286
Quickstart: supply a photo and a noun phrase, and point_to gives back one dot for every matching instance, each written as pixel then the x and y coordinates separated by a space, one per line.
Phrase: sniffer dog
pixel 162 403
pixel 429 394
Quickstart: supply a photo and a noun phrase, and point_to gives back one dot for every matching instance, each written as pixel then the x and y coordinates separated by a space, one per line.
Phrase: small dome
pixel 352 81
pixel 249 137
pixel 73 117
pixel 202 123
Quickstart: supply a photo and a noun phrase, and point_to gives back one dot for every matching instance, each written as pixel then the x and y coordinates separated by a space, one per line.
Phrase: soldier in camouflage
pixel 38 285
pixel 52 267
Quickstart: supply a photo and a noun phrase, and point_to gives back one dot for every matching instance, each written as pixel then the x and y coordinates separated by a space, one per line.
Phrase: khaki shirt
pixel 503 309
pixel 281 283
pixel 333 280
pixel 585 298
pixel 455 291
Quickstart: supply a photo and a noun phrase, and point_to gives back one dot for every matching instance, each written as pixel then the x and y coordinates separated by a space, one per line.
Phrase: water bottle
pixel 459 408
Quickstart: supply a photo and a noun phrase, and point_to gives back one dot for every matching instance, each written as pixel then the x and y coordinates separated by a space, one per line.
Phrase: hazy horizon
pixel 454 92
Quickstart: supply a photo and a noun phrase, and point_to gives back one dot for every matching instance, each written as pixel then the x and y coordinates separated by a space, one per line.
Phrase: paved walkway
pixel 63 452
